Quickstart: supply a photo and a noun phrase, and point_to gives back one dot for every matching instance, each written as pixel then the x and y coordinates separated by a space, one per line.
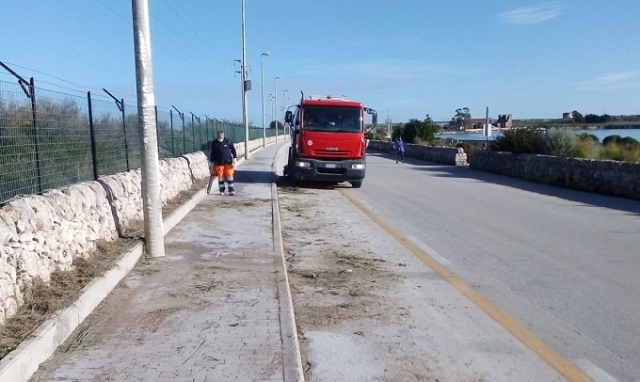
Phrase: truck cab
pixel 328 140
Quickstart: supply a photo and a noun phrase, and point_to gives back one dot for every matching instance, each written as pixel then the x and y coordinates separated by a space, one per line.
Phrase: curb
pixel 292 359
pixel 21 363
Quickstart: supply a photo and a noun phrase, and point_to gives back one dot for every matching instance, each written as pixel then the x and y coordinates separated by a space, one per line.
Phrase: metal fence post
pixel 36 132
pixel 200 131
pixel 173 146
pixel 120 105
pixel 193 132
pixel 184 134
pixel 92 132
pixel 124 132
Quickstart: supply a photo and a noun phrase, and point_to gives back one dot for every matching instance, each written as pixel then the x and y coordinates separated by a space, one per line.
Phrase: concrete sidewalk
pixel 208 311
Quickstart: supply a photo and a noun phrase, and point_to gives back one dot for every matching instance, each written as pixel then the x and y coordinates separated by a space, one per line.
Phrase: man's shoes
pixel 232 193
pixel 222 193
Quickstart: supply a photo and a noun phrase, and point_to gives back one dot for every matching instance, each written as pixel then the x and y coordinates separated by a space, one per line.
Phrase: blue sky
pixel 407 58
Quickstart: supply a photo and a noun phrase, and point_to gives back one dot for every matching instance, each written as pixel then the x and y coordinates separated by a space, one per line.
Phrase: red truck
pixel 328 140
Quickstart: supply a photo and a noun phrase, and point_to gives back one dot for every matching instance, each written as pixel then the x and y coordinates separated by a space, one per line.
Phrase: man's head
pixel 308 118
pixel 220 135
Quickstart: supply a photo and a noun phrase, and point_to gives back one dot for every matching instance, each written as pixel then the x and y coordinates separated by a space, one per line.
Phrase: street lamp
pixel 245 87
pixel 264 131
pixel 275 105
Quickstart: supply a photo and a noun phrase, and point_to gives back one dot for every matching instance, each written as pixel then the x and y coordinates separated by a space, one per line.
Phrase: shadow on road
pixel 597 200
pixel 253 176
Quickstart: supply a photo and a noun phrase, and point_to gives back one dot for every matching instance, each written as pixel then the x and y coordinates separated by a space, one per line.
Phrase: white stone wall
pixel 43 233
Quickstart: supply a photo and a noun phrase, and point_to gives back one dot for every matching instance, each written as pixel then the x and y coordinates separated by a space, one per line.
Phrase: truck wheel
pixel 356 184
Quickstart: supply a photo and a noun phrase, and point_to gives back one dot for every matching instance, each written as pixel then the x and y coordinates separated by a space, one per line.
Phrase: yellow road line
pixel 564 367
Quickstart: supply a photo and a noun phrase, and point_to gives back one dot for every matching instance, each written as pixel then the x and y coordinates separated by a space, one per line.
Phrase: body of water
pixel 600 133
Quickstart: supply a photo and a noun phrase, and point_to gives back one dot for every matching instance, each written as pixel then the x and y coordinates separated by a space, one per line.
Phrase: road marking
pixel 441 259
pixel 594 371
pixel 563 366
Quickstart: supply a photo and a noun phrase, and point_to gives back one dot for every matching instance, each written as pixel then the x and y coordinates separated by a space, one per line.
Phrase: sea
pixel 600 133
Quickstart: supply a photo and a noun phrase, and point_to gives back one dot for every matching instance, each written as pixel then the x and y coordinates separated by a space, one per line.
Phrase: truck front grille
pixel 326 153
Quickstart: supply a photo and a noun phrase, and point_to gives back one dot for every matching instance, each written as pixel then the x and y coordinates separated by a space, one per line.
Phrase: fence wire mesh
pixel 46 140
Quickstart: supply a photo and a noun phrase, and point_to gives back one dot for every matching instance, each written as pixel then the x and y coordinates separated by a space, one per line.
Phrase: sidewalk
pixel 208 311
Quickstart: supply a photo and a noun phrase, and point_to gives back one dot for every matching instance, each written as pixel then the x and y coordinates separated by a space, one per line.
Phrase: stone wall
pixel 448 155
pixel 598 176
pixel 40 234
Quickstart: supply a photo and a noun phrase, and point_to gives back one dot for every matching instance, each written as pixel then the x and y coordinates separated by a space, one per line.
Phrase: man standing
pixel 399 149
pixel 223 158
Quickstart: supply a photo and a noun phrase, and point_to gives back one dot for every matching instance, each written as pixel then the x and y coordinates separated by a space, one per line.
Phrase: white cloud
pixel 530 15
pixel 611 81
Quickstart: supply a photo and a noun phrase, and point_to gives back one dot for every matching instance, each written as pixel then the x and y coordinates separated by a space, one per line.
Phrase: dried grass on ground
pixel 42 300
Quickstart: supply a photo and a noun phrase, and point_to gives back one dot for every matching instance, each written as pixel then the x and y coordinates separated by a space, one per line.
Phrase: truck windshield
pixel 332 118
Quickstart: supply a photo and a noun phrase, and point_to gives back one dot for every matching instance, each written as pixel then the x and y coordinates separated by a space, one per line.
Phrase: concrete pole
pixel 150 167
pixel 245 113
pixel 264 129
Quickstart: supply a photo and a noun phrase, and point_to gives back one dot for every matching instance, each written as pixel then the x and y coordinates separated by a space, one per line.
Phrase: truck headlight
pixel 357 166
pixel 303 164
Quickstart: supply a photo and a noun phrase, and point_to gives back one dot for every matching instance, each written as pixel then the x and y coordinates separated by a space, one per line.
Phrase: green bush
pixel 587 137
pixel 611 139
pixel 587 149
pixel 558 143
pixel 629 143
pixel 520 141
pixel 620 152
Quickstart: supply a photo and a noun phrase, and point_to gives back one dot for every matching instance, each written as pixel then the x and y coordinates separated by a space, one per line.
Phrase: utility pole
pixel 245 86
pixel 150 167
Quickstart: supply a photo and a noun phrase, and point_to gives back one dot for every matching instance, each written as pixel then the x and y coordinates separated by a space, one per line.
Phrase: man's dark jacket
pixel 222 152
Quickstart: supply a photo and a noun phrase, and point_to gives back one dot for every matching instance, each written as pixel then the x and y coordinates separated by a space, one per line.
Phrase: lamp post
pixel 245 85
pixel 275 105
pixel 264 131
pixel 270 96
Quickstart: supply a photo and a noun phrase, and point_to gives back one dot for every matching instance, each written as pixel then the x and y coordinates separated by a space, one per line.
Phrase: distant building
pixel 568 115
pixel 504 121
pixel 478 123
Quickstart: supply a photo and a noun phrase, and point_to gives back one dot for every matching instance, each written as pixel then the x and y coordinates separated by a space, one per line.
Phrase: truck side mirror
pixel 374 120
pixel 288 116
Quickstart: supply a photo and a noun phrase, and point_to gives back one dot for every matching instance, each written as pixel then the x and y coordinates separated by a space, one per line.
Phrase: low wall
pixel 448 155
pixel 40 234
pixel 599 176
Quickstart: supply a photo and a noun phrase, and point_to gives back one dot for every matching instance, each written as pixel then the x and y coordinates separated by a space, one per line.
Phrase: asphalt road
pixel 565 264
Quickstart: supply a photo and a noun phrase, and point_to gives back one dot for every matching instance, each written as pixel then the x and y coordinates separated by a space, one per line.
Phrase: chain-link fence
pixel 50 139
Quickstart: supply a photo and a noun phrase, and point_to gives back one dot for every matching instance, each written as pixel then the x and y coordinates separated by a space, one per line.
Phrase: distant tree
pixel 410 130
pixel 272 125
pixel 577 117
pixel 427 130
pixel 592 118
pixel 462 119
pixel 380 134
pixel 396 132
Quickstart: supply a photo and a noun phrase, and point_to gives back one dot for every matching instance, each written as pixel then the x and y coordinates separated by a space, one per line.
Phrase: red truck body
pixel 328 140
